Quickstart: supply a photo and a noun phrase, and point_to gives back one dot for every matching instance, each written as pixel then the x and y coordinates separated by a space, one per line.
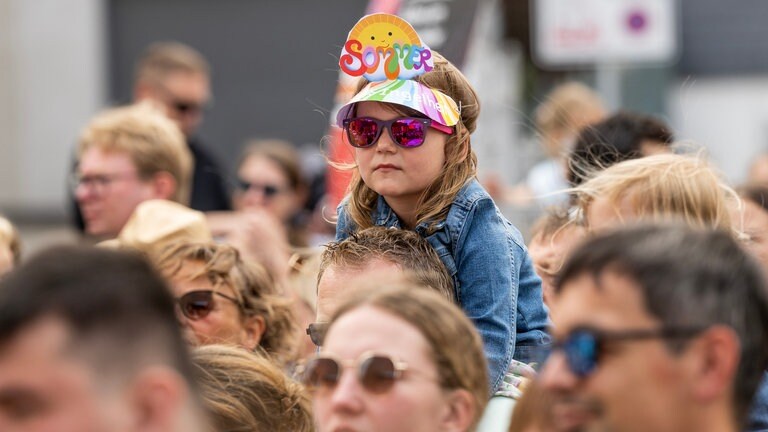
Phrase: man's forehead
pixel 47 336
pixel 610 301
pixel 98 158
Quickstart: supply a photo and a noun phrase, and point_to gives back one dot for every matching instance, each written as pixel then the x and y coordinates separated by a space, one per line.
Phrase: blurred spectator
pixel 567 109
pixel 269 178
pixel 752 220
pixel 224 299
pixel 758 170
pixel 126 156
pixel 10 246
pixel 417 365
pixel 678 315
pixel 178 78
pixel 246 392
pixel 552 238
pixel 620 137
pixel 657 188
pixel 537 412
pixel 302 282
pixel 89 342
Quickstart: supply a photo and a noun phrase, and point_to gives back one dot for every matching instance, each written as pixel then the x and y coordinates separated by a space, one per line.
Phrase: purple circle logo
pixel 637 21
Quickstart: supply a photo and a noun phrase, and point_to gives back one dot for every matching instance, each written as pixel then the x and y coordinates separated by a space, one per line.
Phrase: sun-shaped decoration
pixel 384 30
pixel 385 47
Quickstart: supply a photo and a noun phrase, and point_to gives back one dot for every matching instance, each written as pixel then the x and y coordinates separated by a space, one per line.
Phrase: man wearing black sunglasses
pixel 177 77
pixel 658 328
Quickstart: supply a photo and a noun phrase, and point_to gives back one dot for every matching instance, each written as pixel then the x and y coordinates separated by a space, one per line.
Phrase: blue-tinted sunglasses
pixel 583 346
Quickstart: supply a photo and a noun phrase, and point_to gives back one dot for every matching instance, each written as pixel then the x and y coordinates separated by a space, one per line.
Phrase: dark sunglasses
pixel 407 132
pixel 267 189
pixel 316 332
pixel 187 107
pixel 196 305
pixel 377 373
pixel 583 346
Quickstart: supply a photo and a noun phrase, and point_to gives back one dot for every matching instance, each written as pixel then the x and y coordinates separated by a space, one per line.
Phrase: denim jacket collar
pixel 385 216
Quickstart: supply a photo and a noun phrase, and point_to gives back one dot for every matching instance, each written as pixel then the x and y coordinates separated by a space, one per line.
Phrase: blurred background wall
pixel 275 72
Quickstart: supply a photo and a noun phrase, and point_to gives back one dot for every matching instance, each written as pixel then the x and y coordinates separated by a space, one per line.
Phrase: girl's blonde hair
pixel 664 186
pixel 460 159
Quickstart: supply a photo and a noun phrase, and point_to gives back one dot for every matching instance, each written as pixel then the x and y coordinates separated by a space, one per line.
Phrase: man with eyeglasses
pixel 658 328
pixel 127 156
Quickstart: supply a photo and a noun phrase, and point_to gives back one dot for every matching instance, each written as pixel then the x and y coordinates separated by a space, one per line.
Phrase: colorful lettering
pixel 353 56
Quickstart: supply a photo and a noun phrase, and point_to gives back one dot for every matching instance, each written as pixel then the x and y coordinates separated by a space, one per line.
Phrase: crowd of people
pixel 639 302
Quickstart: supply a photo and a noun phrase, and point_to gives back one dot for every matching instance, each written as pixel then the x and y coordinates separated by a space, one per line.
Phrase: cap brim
pixel 408 93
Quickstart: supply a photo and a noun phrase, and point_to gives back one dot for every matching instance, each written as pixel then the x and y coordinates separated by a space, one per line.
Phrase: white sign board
pixel 579 32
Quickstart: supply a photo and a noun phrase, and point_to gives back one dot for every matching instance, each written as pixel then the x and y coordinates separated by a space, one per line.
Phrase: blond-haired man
pixel 126 156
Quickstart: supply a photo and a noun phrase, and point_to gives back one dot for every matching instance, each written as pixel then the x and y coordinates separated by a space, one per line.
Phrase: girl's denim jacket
pixel 493 276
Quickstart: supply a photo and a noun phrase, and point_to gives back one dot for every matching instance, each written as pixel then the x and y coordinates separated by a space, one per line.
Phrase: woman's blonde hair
pixel 245 392
pixel 455 346
pixel 460 159
pixel 253 286
pixel 664 186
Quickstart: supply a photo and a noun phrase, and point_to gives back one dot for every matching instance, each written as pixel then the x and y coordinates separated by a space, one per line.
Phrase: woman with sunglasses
pixel 270 179
pixel 400 359
pixel 415 169
pixel 223 299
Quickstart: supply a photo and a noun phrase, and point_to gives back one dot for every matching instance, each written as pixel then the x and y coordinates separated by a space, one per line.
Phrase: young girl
pixel 419 174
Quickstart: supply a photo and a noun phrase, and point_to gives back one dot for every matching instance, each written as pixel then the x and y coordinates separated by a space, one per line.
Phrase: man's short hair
pixel 406 249
pixel 118 312
pixel 161 59
pixel 688 278
pixel 152 141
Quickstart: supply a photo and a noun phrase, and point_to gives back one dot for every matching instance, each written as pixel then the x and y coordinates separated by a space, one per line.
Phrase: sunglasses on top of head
pixel 406 132
pixel 376 372
pixel 583 346
pixel 196 305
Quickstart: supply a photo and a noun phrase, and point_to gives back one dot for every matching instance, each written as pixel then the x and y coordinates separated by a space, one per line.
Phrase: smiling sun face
pixel 384 30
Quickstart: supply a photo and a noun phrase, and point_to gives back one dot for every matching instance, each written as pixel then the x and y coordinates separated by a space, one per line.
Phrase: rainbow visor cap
pixel 411 94
pixel 386 50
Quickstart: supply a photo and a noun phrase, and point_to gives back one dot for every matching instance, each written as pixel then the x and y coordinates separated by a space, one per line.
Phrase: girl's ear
pixel 459 412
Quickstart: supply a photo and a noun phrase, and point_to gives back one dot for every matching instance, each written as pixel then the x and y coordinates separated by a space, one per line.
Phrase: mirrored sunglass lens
pixel 377 374
pixel 196 305
pixel 322 372
pixel 362 132
pixel 581 351
pixel 408 132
